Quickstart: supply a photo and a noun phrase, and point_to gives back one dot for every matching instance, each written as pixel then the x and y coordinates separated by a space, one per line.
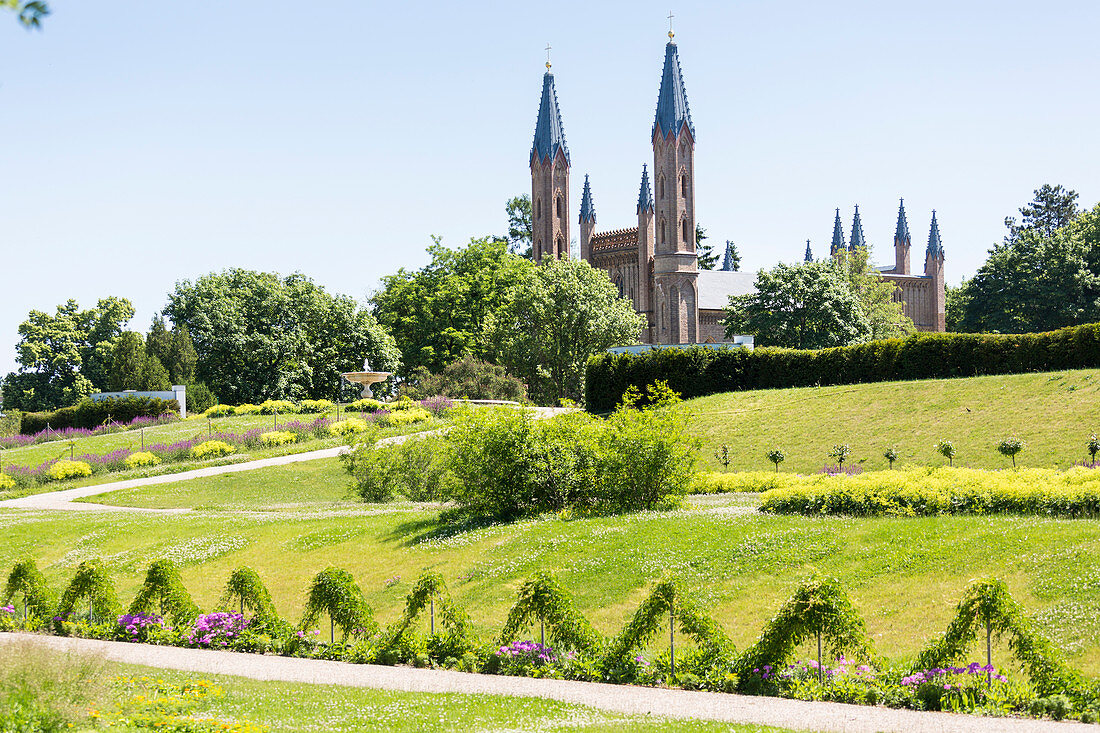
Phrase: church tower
pixel 675 264
pixel 933 268
pixel 549 178
pixel 587 220
pixel 901 242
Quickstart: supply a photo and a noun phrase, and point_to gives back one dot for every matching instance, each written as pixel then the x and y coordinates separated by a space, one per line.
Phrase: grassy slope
pixel 904 574
pixel 1052 413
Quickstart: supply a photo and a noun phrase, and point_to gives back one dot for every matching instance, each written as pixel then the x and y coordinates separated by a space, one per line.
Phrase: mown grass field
pixel 904 574
pixel 1053 413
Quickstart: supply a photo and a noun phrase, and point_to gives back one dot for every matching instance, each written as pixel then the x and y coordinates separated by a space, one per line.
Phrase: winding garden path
pixel 678 704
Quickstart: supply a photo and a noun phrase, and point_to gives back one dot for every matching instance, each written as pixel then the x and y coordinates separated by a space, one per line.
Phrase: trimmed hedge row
pixel 88 414
pixel 700 371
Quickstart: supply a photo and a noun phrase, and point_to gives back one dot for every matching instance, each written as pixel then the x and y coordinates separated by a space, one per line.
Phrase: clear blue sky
pixel 146 142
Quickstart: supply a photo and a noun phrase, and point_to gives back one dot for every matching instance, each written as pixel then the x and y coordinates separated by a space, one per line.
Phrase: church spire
pixel 672 103
pixel 645 192
pixel 837 245
pixel 857 232
pixel 902 232
pixel 935 247
pixel 588 210
pixel 549 132
pixel 730 262
pixel 809 256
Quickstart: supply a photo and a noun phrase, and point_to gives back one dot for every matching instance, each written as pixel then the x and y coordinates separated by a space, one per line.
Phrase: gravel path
pixel 680 704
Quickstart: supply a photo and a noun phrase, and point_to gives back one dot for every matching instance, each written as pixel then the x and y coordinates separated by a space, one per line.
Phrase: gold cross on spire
pixel 670 32
pixel 548 57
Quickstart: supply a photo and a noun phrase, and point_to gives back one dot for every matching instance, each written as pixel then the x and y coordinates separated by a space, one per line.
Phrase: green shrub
pixel 219 411
pixel 64 470
pixel 141 459
pixel 417 468
pixel 334 592
pixel 313 407
pixel 947 449
pixel 199 399
pixel 89 414
pixel 278 407
pixel 923 491
pixel 891 455
pixel 741 481
pixel 7 483
pixel 27 580
pixel 211 449
pixel 468 378
pixel 163 592
pixel 246 409
pixel 701 371
pixel 277 437
pixel 10 422
pixel 776 456
pixel 1010 448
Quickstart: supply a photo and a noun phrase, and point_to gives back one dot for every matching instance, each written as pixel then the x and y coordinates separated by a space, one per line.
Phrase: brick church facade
pixel 655 264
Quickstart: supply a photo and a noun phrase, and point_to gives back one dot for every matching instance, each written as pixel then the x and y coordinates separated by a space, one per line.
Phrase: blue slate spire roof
pixel 672 102
pixel 809 256
pixel 838 236
pixel 857 232
pixel 549 133
pixel 588 211
pixel 935 247
pixel 727 260
pixel 902 232
pixel 645 193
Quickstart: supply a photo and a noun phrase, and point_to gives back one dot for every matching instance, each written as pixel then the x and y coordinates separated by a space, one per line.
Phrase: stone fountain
pixel 366 378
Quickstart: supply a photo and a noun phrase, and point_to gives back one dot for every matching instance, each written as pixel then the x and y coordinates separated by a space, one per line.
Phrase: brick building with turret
pixel 655 264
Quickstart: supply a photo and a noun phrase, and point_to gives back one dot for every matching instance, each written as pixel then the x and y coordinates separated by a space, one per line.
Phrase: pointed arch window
pixel 661 187
pixel 557 207
pixel 561 247
pixel 684 185
pixel 662 231
pixel 686 228
pixel 538 208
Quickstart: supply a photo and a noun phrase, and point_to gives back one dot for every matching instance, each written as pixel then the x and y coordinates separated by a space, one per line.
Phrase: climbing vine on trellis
pixel 91 583
pixel 430 592
pixel 818 609
pixel 163 591
pixel 26 578
pixel 542 599
pixel 987 605
pixel 334 592
pixel 667 601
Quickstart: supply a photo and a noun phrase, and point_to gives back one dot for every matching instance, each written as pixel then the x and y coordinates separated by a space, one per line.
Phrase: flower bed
pixel 50 435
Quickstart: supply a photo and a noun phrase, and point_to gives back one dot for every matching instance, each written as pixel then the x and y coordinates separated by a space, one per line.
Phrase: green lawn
pixel 1052 413
pixel 904 574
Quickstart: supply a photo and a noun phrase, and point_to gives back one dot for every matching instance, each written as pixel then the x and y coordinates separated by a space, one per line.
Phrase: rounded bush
pixel 277 437
pixel 364 405
pixel 220 411
pixel 7 483
pixel 65 470
pixel 408 416
pixel 313 407
pixel 282 407
pixel 140 459
pixel 246 409
pixel 347 427
pixel 211 449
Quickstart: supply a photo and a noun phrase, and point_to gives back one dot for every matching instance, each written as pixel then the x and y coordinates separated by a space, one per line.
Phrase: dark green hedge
pixel 88 414
pixel 700 371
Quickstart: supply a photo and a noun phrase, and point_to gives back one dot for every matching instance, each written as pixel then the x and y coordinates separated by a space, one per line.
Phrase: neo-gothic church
pixel 655 264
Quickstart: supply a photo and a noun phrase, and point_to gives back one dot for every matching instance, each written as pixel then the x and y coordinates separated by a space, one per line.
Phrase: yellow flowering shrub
pixel 140 459
pixel 211 449
pixel 407 416
pixel 277 437
pixel 65 470
pixel 7 483
pixel 347 427
pixel 246 409
pixel 219 411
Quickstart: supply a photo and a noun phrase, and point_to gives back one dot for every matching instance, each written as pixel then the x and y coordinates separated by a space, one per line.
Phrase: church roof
pixel 672 102
pixel 716 287
pixel 857 232
pixel 645 193
pixel 902 232
pixel 935 247
pixel 549 133
pixel 588 210
pixel 838 235
pixel 809 256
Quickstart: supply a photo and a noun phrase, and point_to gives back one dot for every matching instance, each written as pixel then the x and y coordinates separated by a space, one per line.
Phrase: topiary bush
pixel 347 427
pixel 278 407
pixel 93 585
pixel 163 592
pixel 7 483
pixel 141 459
pixel 219 411
pixel 314 407
pixel 246 409
pixel 364 405
pixel 408 416
pixel 453 638
pixel 334 592
pixel 25 579
pixel 277 438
